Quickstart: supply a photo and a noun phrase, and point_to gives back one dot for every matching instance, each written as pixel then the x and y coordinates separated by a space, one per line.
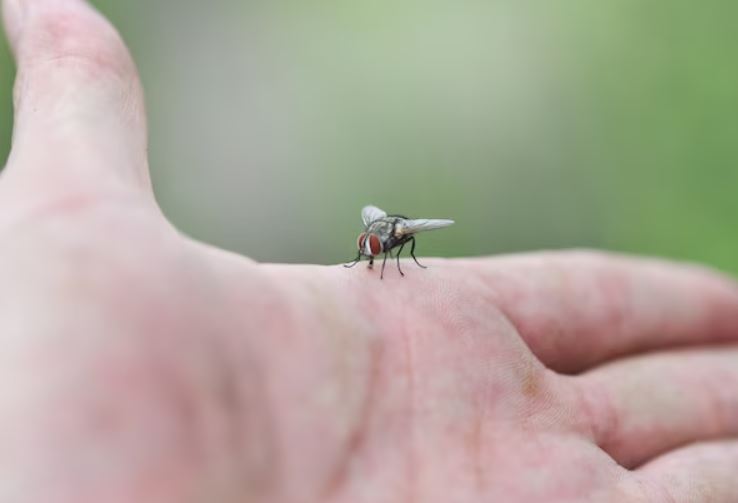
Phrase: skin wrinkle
pixel 452 322
pixel 479 421
pixel 617 291
pixel 57 198
pixel 195 378
pixel 341 349
pixel 412 457
pixel 288 319
pixel 498 301
pixel 564 289
pixel 62 111
pixel 475 446
pixel 505 296
pixel 344 367
pixel 248 431
pixel 531 377
pixel 127 96
pixel 134 116
pixel 481 390
pixel 357 454
pixel 666 493
pixel 90 67
pixel 59 33
pixel 357 437
pixel 184 409
pixel 643 489
pixel 213 380
pixel 66 204
pixel 723 409
pixel 401 332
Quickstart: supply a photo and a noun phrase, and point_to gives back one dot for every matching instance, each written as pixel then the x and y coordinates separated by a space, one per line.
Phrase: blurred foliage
pixel 533 124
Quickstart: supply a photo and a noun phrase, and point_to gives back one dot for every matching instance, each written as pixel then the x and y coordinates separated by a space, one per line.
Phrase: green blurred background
pixel 533 124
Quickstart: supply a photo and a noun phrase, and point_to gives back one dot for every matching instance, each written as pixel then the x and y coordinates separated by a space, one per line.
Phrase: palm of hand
pixel 299 383
pixel 155 368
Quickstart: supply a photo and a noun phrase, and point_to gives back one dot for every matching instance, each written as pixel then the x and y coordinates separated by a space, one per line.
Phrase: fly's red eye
pixel 360 241
pixel 375 245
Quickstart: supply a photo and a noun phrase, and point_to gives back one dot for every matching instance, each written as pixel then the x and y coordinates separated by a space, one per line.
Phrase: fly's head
pixel 370 244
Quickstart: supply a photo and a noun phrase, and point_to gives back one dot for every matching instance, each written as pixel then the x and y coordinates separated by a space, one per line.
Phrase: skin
pixel 139 365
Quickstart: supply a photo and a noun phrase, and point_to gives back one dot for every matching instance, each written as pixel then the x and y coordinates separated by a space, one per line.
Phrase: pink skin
pixel 138 365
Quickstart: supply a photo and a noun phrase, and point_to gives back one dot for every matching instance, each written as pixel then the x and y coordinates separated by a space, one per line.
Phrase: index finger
pixel 577 309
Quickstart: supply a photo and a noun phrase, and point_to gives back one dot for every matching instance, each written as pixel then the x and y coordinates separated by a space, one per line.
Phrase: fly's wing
pixel 423 224
pixel 371 214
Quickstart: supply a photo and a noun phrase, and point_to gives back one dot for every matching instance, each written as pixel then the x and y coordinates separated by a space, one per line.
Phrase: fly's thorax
pixel 382 228
pixel 399 230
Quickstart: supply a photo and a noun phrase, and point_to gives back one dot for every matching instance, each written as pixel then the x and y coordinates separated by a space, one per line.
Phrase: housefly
pixel 383 233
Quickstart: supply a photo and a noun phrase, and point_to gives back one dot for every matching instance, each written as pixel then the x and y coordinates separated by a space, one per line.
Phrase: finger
pixel 576 309
pixel 703 473
pixel 79 111
pixel 640 407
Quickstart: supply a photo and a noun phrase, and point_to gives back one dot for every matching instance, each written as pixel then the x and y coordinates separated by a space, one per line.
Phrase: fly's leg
pixel 352 264
pixel 412 254
pixel 384 262
pixel 398 259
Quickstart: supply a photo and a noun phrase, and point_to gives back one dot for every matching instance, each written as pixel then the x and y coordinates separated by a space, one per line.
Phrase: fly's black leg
pixel 352 264
pixel 384 262
pixel 398 259
pixel 412 254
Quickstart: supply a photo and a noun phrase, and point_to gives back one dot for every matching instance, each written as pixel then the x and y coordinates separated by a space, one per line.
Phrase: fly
pixel 383 233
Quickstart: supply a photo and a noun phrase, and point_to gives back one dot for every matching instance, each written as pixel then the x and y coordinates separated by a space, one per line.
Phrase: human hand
pixel 139 365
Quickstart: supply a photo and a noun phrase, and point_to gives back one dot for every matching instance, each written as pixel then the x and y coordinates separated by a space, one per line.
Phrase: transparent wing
pixel 424 224
pixel 371 214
